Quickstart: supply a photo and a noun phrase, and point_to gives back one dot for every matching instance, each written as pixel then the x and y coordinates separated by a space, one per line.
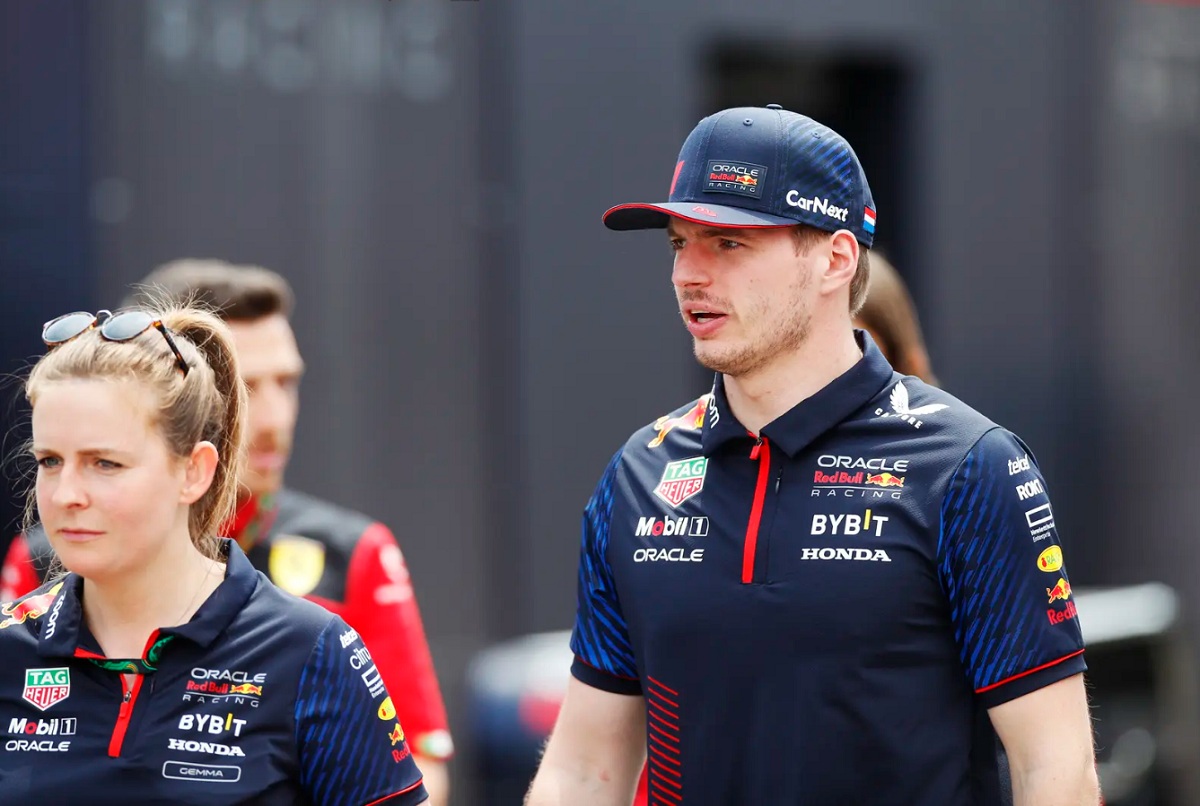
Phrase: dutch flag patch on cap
pixel 868 219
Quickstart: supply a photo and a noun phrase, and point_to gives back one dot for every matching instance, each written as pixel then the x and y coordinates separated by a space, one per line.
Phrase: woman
pixel 891 318
pixel 161 668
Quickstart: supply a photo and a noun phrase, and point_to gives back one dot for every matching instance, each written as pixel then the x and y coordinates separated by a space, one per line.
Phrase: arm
pixel 596 752
pixel 1004 571
pixel 382 607
pixel 351 749
pixel 1048 737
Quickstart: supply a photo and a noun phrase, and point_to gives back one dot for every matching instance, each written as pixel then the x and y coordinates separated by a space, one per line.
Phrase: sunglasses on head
pixel 119 327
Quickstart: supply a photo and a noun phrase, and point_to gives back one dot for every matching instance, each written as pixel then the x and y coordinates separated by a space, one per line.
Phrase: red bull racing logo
pixel 886 480
pixel 1061 591
pixel 690 420
pixel 31 607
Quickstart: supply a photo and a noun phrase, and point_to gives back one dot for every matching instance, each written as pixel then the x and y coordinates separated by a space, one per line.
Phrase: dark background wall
pixel 430 175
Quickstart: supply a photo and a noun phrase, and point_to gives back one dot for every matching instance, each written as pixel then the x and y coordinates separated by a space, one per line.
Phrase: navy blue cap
pixel 761 167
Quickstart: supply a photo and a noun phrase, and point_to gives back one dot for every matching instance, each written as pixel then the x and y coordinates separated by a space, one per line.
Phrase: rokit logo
pixel 1029 489
pixel 689 526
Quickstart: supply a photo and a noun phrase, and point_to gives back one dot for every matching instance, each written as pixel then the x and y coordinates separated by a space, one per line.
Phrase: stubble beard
pixel 786 334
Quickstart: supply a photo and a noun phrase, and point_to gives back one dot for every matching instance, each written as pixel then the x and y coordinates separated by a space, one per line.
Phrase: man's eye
pixel 728 244
pixel 48 461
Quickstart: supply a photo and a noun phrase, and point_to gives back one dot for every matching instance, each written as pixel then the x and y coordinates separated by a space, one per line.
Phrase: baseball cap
pixel 761 167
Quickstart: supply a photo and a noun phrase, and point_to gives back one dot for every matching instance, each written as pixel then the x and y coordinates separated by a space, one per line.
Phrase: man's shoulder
pixel 680 428
pixel 910 405
pixel 306 515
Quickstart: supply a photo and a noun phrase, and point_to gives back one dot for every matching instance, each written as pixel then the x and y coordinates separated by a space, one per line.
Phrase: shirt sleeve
pixel 603 653
pixel 1002 565
pixel 351 746
pixel 382 606
pixel 19 576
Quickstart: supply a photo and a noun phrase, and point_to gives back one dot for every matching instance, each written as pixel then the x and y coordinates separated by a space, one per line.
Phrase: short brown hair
pixel 807 237
pixel 234 292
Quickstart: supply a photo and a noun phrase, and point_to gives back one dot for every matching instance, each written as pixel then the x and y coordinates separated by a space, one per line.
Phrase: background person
pixel 889 315
pixel 162 666
pixel 341 559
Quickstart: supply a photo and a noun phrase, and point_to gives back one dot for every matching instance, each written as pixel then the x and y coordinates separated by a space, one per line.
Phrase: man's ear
pixel 843 261
pixel 200 469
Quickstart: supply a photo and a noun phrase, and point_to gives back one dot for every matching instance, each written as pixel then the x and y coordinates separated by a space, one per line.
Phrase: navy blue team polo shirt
pixel 261 698
pixel 823 615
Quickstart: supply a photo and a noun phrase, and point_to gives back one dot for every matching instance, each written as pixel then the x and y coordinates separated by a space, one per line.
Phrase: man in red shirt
pixel 347 562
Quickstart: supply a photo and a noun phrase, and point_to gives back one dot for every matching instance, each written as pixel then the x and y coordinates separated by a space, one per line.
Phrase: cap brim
pixel 656 216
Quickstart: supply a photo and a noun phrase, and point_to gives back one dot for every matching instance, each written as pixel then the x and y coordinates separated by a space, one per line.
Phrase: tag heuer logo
pixel 681 480
pixel 46 687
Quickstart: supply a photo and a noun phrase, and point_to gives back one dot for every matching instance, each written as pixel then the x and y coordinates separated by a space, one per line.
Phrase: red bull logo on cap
pixel 29 608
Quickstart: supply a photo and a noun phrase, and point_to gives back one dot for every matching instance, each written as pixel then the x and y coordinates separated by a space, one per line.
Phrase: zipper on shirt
pixel 762 453
pixel 128 697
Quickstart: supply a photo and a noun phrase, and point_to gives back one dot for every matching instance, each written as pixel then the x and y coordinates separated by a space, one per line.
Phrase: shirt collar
pixel 212 618
pixel 796 428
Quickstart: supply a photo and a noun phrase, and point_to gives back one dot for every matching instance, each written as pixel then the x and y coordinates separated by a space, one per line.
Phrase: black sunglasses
pixel 120 327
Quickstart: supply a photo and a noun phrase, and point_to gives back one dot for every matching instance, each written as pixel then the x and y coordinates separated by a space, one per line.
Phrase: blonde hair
pixel 206 404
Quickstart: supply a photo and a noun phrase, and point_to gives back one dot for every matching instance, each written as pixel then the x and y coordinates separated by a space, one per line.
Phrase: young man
pixel 345 561
pixel 819 584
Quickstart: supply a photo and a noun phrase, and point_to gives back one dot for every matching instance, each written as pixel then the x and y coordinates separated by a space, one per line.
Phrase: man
pixel 340 559
pixel 822 583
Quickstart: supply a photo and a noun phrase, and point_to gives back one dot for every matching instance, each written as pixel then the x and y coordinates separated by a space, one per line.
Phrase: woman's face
pixel 110 494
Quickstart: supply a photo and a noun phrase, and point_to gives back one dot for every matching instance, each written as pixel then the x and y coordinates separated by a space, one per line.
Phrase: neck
pixel 163 591
pixel 765 394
